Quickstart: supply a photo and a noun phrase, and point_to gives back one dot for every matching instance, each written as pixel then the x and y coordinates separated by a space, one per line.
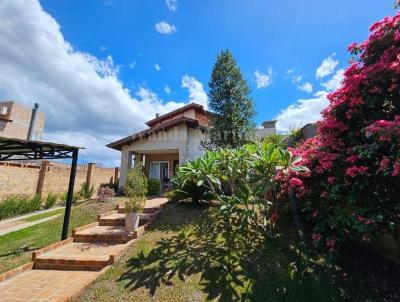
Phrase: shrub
pixel 105 194
pixel 353 189
pixel 243 180
pixel 50 200
pixel 86 191
pixel 153 186
pixel 136 189
pixel 18 205
pixel 64 196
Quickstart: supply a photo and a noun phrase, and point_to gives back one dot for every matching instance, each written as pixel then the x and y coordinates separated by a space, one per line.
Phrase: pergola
pixel 13 149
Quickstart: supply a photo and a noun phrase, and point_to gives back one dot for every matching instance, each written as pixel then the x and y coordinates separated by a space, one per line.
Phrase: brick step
pixel 121 209
pixel 118 219
pixel 97 233
pixel 78 256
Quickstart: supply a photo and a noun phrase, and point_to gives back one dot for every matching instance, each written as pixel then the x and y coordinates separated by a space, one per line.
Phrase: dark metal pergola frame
pixel 12 149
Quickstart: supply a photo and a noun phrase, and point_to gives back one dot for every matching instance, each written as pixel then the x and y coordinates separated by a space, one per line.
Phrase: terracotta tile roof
pixel 117 145
pixel 190 106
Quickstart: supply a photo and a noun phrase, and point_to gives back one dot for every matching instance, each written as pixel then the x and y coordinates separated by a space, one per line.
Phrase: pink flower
pixel 354 171
pixel 316 237
pixel 324 194
pixel 331 244
pixel 331 180
pixel 352 46
pixel 274 217
pixel 295 182
pixel 396 168
pixel 315 214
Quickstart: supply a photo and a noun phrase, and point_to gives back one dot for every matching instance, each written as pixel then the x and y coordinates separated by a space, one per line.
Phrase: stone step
pixel 78 256
pixel 98 233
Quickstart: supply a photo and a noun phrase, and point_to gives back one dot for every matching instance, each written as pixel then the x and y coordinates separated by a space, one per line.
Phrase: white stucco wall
pixel 182 139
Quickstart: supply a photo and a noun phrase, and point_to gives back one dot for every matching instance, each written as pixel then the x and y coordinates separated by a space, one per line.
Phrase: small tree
pixel 229 99
pixel 136 189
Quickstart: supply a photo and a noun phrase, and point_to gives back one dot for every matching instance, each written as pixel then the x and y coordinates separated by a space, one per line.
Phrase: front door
pixel 159 170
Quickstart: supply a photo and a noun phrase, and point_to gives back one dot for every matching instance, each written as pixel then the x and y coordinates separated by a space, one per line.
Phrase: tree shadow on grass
pixel 251 269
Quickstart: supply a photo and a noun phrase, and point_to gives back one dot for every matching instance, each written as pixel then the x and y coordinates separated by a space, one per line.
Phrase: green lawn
pixel 16 247
pixel 180 258
pixel 43 215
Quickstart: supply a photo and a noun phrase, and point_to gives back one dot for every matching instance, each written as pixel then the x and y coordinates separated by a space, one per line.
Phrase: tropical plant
pixel 50 200
pixel 136 189
pixel 86 191
pixel 229 99
pixel 352 192
pixel 243 180
pixel 153 186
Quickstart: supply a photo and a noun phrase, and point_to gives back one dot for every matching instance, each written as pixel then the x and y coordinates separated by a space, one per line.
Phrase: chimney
pixel 157 115
pixel 33 122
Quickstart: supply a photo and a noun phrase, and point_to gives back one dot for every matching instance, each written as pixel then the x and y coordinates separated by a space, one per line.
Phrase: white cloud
pixel 157 67
pixel 297 79
pixel 196 91
pixel 327 67
pixel 335 82
pixel 302 112
pixel 85 101
pixel 289 71
pixel 132 65
pixel 263 79
pixel 172 5
pixel 167 89
pixel 165 28
pixel 306 87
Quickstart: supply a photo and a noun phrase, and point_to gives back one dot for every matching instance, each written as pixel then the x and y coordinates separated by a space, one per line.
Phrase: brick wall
pixel 48 177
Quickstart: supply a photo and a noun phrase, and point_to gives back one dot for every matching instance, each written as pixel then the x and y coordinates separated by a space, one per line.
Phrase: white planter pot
pixel 131 221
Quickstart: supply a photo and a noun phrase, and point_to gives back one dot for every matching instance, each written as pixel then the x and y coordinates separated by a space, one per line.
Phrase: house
pixel 16 118
pixel 170 140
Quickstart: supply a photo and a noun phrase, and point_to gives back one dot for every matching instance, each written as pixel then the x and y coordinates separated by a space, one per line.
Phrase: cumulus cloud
pixel 302 112
pixel 85 101
pixel 297 79
pixel 167 89
pixel 305 111
pixel 172 5
pixel 327 67
pixel 335 82
pixel 263 79
pixel 165 28
pixel 289 71
pixel 157 67
pixel 196 91
pixel 306 87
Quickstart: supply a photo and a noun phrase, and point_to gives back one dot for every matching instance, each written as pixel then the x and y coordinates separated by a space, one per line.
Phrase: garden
pixel 283 219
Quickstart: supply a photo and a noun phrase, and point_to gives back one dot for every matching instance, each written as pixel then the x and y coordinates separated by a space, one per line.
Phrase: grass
pixel 43 215
pixel 16 247
pixel 181 258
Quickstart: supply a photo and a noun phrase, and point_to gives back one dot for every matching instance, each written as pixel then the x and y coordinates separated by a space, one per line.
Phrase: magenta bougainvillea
pixel 353 189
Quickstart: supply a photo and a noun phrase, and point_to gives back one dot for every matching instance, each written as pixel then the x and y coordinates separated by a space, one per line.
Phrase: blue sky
pixel 280 43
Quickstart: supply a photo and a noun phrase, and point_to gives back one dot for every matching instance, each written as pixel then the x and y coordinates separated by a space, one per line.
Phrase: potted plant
pixel 136 191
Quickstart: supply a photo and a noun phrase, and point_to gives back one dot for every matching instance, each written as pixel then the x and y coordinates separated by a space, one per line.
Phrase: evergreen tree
pixel 229 99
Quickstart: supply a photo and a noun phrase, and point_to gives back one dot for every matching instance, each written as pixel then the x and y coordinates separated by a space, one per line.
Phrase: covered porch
pixel 158 164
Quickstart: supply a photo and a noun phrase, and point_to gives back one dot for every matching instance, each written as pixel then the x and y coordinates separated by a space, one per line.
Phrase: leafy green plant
pixel 86 190
pixel 64 196
pixel 50 200
pixel 18 205
pixel 153 186
pixel 136 189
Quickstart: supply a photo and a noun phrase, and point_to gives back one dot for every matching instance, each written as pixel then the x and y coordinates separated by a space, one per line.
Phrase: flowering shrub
pixel 354 184
pixel 105 194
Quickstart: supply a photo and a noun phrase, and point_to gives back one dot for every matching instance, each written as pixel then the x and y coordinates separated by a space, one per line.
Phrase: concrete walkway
pixel 15 226
pixel 64 269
